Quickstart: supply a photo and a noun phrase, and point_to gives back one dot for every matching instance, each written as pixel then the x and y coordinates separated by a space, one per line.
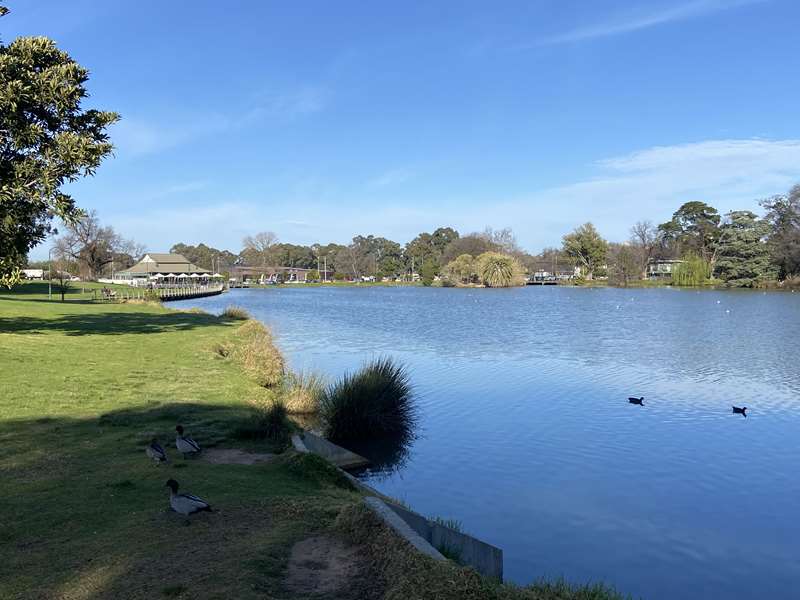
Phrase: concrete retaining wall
pixel 420 532
pixel 484 558
pixel 341 457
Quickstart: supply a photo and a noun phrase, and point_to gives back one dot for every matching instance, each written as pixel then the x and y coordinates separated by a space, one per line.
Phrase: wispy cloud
pixel 391 178
pixel 652 183
pixel 287 104
pixel 137 135
pixel 642 20
pixel 647 184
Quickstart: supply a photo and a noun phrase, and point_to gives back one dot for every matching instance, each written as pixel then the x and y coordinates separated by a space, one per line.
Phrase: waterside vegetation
pixel 87 385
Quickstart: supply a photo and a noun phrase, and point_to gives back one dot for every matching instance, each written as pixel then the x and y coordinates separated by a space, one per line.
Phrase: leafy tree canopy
pixel 694 228
pixel 743 255
pixel 783 216
pixel 586 248
pixel 47 139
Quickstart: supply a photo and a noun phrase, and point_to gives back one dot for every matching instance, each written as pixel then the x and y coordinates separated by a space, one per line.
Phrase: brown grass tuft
pixel 258 355
pixel 303 391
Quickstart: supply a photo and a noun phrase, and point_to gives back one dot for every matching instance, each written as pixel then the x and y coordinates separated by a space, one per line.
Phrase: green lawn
pixel 84 387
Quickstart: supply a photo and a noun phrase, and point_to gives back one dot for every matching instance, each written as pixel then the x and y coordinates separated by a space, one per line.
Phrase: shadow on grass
pixel 91 517
pixel 110 323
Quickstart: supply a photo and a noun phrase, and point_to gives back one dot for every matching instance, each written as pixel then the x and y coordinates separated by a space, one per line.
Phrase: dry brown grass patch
pixel 258 355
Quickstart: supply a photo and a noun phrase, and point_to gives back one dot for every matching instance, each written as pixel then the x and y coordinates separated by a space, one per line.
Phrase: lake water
pixel 528 439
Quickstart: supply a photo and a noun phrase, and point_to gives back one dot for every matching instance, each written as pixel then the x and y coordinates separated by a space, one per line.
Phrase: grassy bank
pixel 85 386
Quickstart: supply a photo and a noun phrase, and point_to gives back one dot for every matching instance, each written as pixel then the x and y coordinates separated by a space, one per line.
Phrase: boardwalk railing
pixel 165 294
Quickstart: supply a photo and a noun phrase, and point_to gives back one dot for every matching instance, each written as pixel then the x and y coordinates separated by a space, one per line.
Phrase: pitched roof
pixel 164 263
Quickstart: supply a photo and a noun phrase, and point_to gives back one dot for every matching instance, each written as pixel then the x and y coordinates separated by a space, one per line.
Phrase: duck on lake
pixel 639 401
pixel 740 411
pixel 185 504
pixel 156 451
pixel 184 443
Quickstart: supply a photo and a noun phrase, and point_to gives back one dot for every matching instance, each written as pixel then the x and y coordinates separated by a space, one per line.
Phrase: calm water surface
pixel 528 439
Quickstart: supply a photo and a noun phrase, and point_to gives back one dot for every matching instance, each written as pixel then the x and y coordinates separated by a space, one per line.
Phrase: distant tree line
pixel 739 248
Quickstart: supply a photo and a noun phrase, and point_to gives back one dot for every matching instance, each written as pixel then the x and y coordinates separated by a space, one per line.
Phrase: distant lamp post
pixel 50 274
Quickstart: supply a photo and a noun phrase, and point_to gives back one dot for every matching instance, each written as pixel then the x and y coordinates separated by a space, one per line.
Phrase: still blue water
pixel 528 439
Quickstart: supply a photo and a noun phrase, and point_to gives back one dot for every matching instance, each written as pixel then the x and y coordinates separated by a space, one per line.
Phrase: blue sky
pixel 322 120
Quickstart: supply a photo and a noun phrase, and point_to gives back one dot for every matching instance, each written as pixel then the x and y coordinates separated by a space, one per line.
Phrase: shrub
pixel 236 312
pixel 373 403
pixel 461 269
pixel 303 392
pixel 495 269
pixel 693 271
pixel 257 354
pixel 270 421
pixel 152 295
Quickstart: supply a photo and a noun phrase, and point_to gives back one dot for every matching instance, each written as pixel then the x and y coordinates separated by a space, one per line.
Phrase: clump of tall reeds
pixel 256 352
pixel 375 402
pixel 303 391
pixel 236 313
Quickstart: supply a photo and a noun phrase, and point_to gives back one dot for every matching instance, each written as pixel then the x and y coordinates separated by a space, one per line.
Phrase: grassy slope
pixel 84 386
pixel 82 511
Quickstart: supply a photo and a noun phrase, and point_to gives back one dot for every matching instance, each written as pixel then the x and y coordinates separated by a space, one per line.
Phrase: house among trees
pixel 243 273
pixel 662 267
pixel 162 266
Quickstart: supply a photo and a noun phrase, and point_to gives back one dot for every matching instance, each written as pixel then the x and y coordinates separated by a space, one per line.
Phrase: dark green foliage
pixel 373 403
pixel 694 228
pixel 428 272
pixel 743 254
pixel 48 140
pixel 783 216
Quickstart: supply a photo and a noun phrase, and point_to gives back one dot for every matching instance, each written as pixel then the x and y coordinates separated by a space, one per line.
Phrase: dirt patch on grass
pixel 234 456
pixel 324 565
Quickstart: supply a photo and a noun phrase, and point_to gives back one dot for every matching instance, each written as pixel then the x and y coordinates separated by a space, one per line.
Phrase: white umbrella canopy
pixel 195 275
pixel 216 276
pixel 172 275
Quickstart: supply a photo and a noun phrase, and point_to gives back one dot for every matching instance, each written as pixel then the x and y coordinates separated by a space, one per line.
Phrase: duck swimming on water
pixel 185 504
pixel 156 451
pixel 184 443
pixel 740 411
pixel 639 401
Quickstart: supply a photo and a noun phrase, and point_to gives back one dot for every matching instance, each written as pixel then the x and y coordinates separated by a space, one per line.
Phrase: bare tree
pixel 93 246
pixel 504 239
pixel 645 238
pixel 257 247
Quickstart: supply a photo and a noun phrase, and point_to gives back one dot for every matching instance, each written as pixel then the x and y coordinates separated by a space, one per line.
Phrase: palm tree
pixel 499 270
